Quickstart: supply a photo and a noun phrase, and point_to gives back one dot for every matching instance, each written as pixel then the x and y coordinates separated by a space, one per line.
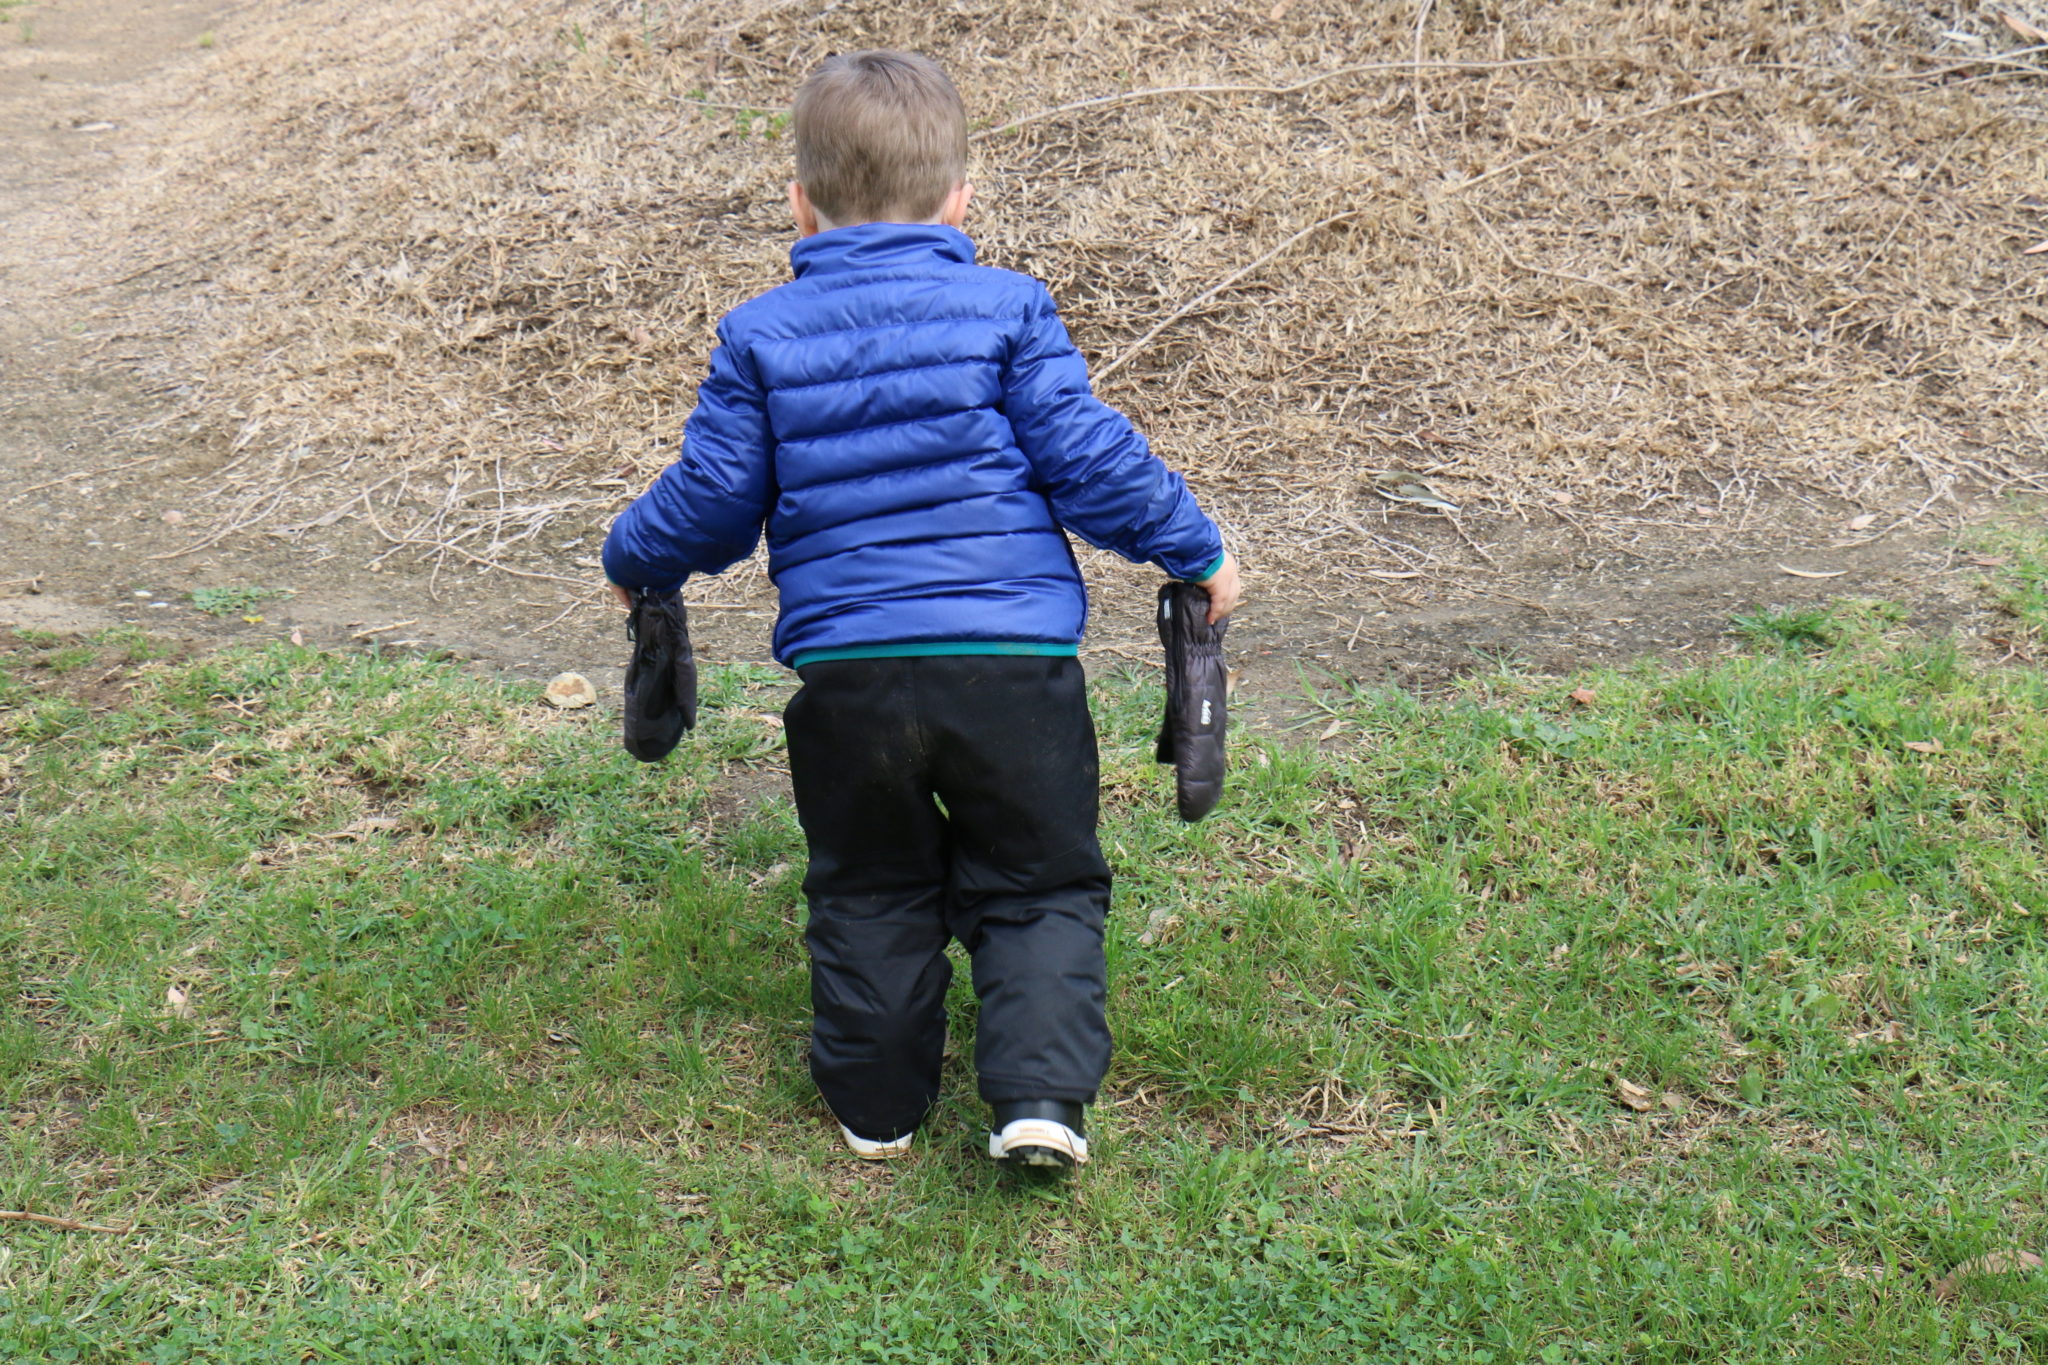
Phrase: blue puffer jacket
pixel 914 430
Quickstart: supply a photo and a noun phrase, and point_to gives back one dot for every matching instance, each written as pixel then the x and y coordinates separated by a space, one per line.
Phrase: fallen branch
pixel 61 1224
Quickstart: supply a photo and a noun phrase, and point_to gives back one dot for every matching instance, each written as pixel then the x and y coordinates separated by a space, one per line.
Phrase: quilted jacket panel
pixel 915 433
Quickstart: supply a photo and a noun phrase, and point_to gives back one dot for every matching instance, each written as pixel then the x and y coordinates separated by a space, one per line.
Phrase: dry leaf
pixel 1989 561
pixel 1924 746
pixel 177 1004
pixel 1634 1096
pixel 2036 249
pixel 1585 696
pixel 2031 34
pixel 1331 732
pixel 1864 522
pixel 1993 1263
pixel 570 690
pixel 1812 573
pixel 298 638
pixel 1408 488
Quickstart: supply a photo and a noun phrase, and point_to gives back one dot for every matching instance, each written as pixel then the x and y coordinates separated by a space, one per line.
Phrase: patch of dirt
pixel 100 683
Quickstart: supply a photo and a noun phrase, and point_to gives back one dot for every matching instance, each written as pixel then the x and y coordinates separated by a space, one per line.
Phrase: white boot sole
pixel 867 1149
pixel 1046 1134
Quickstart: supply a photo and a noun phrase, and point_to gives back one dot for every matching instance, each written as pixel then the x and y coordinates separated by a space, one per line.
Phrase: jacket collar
pixel 880 246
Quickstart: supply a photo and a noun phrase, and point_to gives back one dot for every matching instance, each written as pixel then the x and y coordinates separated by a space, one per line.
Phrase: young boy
pixel 916 432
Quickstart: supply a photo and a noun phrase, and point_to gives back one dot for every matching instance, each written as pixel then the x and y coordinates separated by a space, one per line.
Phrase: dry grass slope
pixel 462 261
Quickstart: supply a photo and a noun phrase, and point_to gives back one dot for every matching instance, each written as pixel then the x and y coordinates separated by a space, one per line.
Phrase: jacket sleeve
pixel 1102 479
pixel 705 511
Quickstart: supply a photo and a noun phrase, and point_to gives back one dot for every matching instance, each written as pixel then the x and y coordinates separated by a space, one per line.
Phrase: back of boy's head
pixel 880 137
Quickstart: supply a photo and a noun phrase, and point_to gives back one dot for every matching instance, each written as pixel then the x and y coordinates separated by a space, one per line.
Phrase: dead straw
pixel 464 307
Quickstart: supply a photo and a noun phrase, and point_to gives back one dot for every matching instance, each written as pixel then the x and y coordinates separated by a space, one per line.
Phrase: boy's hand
pixel 1222 588
pixel 623 595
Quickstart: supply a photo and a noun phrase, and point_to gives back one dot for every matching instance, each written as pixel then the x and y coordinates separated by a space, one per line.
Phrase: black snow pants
pixel 950 796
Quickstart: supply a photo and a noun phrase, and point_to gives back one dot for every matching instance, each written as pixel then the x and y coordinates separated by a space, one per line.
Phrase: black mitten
pixel 661 676
pixel 1197 689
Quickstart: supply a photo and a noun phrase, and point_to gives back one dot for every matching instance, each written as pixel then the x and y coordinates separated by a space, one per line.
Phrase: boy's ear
pixel 953 212
pixel 801 209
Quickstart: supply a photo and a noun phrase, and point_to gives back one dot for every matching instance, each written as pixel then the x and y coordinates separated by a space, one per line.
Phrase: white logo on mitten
pixel 1205 710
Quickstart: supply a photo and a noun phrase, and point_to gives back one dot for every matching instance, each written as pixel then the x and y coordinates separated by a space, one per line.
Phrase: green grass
pixel 2016 553
pixel 408 1021
pixel 234 599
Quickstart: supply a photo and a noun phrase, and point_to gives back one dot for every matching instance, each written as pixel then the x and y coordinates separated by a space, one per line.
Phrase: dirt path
pixel 102 491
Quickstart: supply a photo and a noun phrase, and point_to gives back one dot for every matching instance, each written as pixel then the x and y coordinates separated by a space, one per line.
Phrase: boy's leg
pixel 876 888
pixel 1014 760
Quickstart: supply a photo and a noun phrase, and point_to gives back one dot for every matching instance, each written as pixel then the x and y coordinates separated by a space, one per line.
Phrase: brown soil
pixel 104 474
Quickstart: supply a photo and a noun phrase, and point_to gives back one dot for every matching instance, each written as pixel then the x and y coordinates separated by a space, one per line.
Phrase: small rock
pixel 570 690
pixel 174 518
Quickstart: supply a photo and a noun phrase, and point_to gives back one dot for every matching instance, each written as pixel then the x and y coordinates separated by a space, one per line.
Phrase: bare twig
pixel 1466 536
pixel 592 600
pixel 1907 211
pixel 134 275
pixel 646 89
pixel 61 1224
pixel 1336 73
pixel 517 573
pixel 81 474
pixel 1138 346
pixel 239 522
pixel 1640 116
pixel 189 1042
pixel 2004 59
pixel 379 630
pixel 1422 9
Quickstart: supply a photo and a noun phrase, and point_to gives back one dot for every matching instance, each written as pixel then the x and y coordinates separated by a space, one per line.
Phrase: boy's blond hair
pixel 880 137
